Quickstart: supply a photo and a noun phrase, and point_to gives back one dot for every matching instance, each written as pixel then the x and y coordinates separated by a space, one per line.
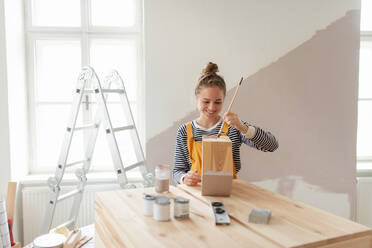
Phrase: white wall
pixel 4 118
pixel 16 101
pixel 241 36
pixel 15 48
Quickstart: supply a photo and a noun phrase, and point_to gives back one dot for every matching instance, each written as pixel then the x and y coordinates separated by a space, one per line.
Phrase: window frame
pixel 364 36
pixel 83 34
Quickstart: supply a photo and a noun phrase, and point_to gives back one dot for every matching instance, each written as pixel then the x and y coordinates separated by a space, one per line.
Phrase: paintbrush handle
pixel 233 99
pixel 231 103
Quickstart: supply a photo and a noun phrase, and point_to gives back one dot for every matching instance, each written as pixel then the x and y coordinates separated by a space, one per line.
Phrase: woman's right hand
pixel 192 178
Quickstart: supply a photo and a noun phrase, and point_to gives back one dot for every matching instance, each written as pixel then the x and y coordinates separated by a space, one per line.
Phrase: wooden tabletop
pixel 119 222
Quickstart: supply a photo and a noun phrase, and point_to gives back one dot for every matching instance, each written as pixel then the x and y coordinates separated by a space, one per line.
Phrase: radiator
pixel 34 203
pixel 364 201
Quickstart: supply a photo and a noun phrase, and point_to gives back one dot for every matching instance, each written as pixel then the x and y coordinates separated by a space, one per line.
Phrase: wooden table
pixel 119 222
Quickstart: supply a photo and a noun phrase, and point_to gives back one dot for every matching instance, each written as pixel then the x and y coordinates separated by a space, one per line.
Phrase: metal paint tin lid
pixel 162 200
pixel 149 197
pixel 181 200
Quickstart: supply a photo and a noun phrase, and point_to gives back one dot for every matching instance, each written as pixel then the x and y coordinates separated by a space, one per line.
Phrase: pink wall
pixel 308 100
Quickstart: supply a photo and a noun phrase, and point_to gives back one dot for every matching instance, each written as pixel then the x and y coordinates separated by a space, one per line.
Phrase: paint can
pixel 181 208
pixel 148 204
pixel 162 208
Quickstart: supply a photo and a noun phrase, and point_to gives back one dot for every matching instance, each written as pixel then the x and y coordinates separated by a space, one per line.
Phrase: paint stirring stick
pixel 232 101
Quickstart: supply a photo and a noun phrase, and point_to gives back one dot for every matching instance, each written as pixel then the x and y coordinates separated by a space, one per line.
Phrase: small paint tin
pixel 181 208
pixel 148 204
pixel 162 208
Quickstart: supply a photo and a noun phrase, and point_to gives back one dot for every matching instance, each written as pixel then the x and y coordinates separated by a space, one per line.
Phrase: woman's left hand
pixel 233 120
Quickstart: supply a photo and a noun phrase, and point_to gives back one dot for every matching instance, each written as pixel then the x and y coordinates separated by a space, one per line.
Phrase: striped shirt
pixel 262 140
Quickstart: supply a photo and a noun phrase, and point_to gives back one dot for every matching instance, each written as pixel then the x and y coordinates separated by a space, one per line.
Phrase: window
pixel 364 147
pixel 62 37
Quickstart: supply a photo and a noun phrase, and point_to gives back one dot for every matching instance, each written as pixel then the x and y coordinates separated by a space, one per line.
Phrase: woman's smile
pixel 210 113
pixel 210 101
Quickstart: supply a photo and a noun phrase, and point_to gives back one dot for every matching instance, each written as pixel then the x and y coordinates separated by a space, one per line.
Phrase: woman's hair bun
pixel 210 78
pixel 210 68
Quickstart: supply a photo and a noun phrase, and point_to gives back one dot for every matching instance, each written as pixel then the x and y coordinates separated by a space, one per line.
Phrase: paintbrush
pixel 232 101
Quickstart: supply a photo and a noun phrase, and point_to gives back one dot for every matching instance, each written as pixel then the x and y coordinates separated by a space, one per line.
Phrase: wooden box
pixel 217 166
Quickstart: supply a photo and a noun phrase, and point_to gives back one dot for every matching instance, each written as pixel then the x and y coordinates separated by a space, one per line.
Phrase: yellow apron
pixel 195 148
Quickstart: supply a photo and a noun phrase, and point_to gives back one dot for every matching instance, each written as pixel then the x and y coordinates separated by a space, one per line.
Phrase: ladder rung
pixel 66 224
pixel 104 91
pixel 75 163
pixel 85 127
pixel 133 166
pixel 68 195
pixel 117 129
pixel 89 91
pixel 112 91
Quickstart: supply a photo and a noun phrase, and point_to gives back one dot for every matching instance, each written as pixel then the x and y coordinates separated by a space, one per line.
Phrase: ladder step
pixel 104 91
pixel 75 163
pixel 91 91
pixel 66 224
pixel 68 195
pixel 85 127
pixel 117 129
pixel 113 91
pixel 133 166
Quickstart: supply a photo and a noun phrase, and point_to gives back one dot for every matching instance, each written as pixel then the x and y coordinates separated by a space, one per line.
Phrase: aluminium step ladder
pixel 88 77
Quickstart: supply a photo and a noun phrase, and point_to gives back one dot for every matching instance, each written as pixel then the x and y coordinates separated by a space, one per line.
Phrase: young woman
pixel 210 93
